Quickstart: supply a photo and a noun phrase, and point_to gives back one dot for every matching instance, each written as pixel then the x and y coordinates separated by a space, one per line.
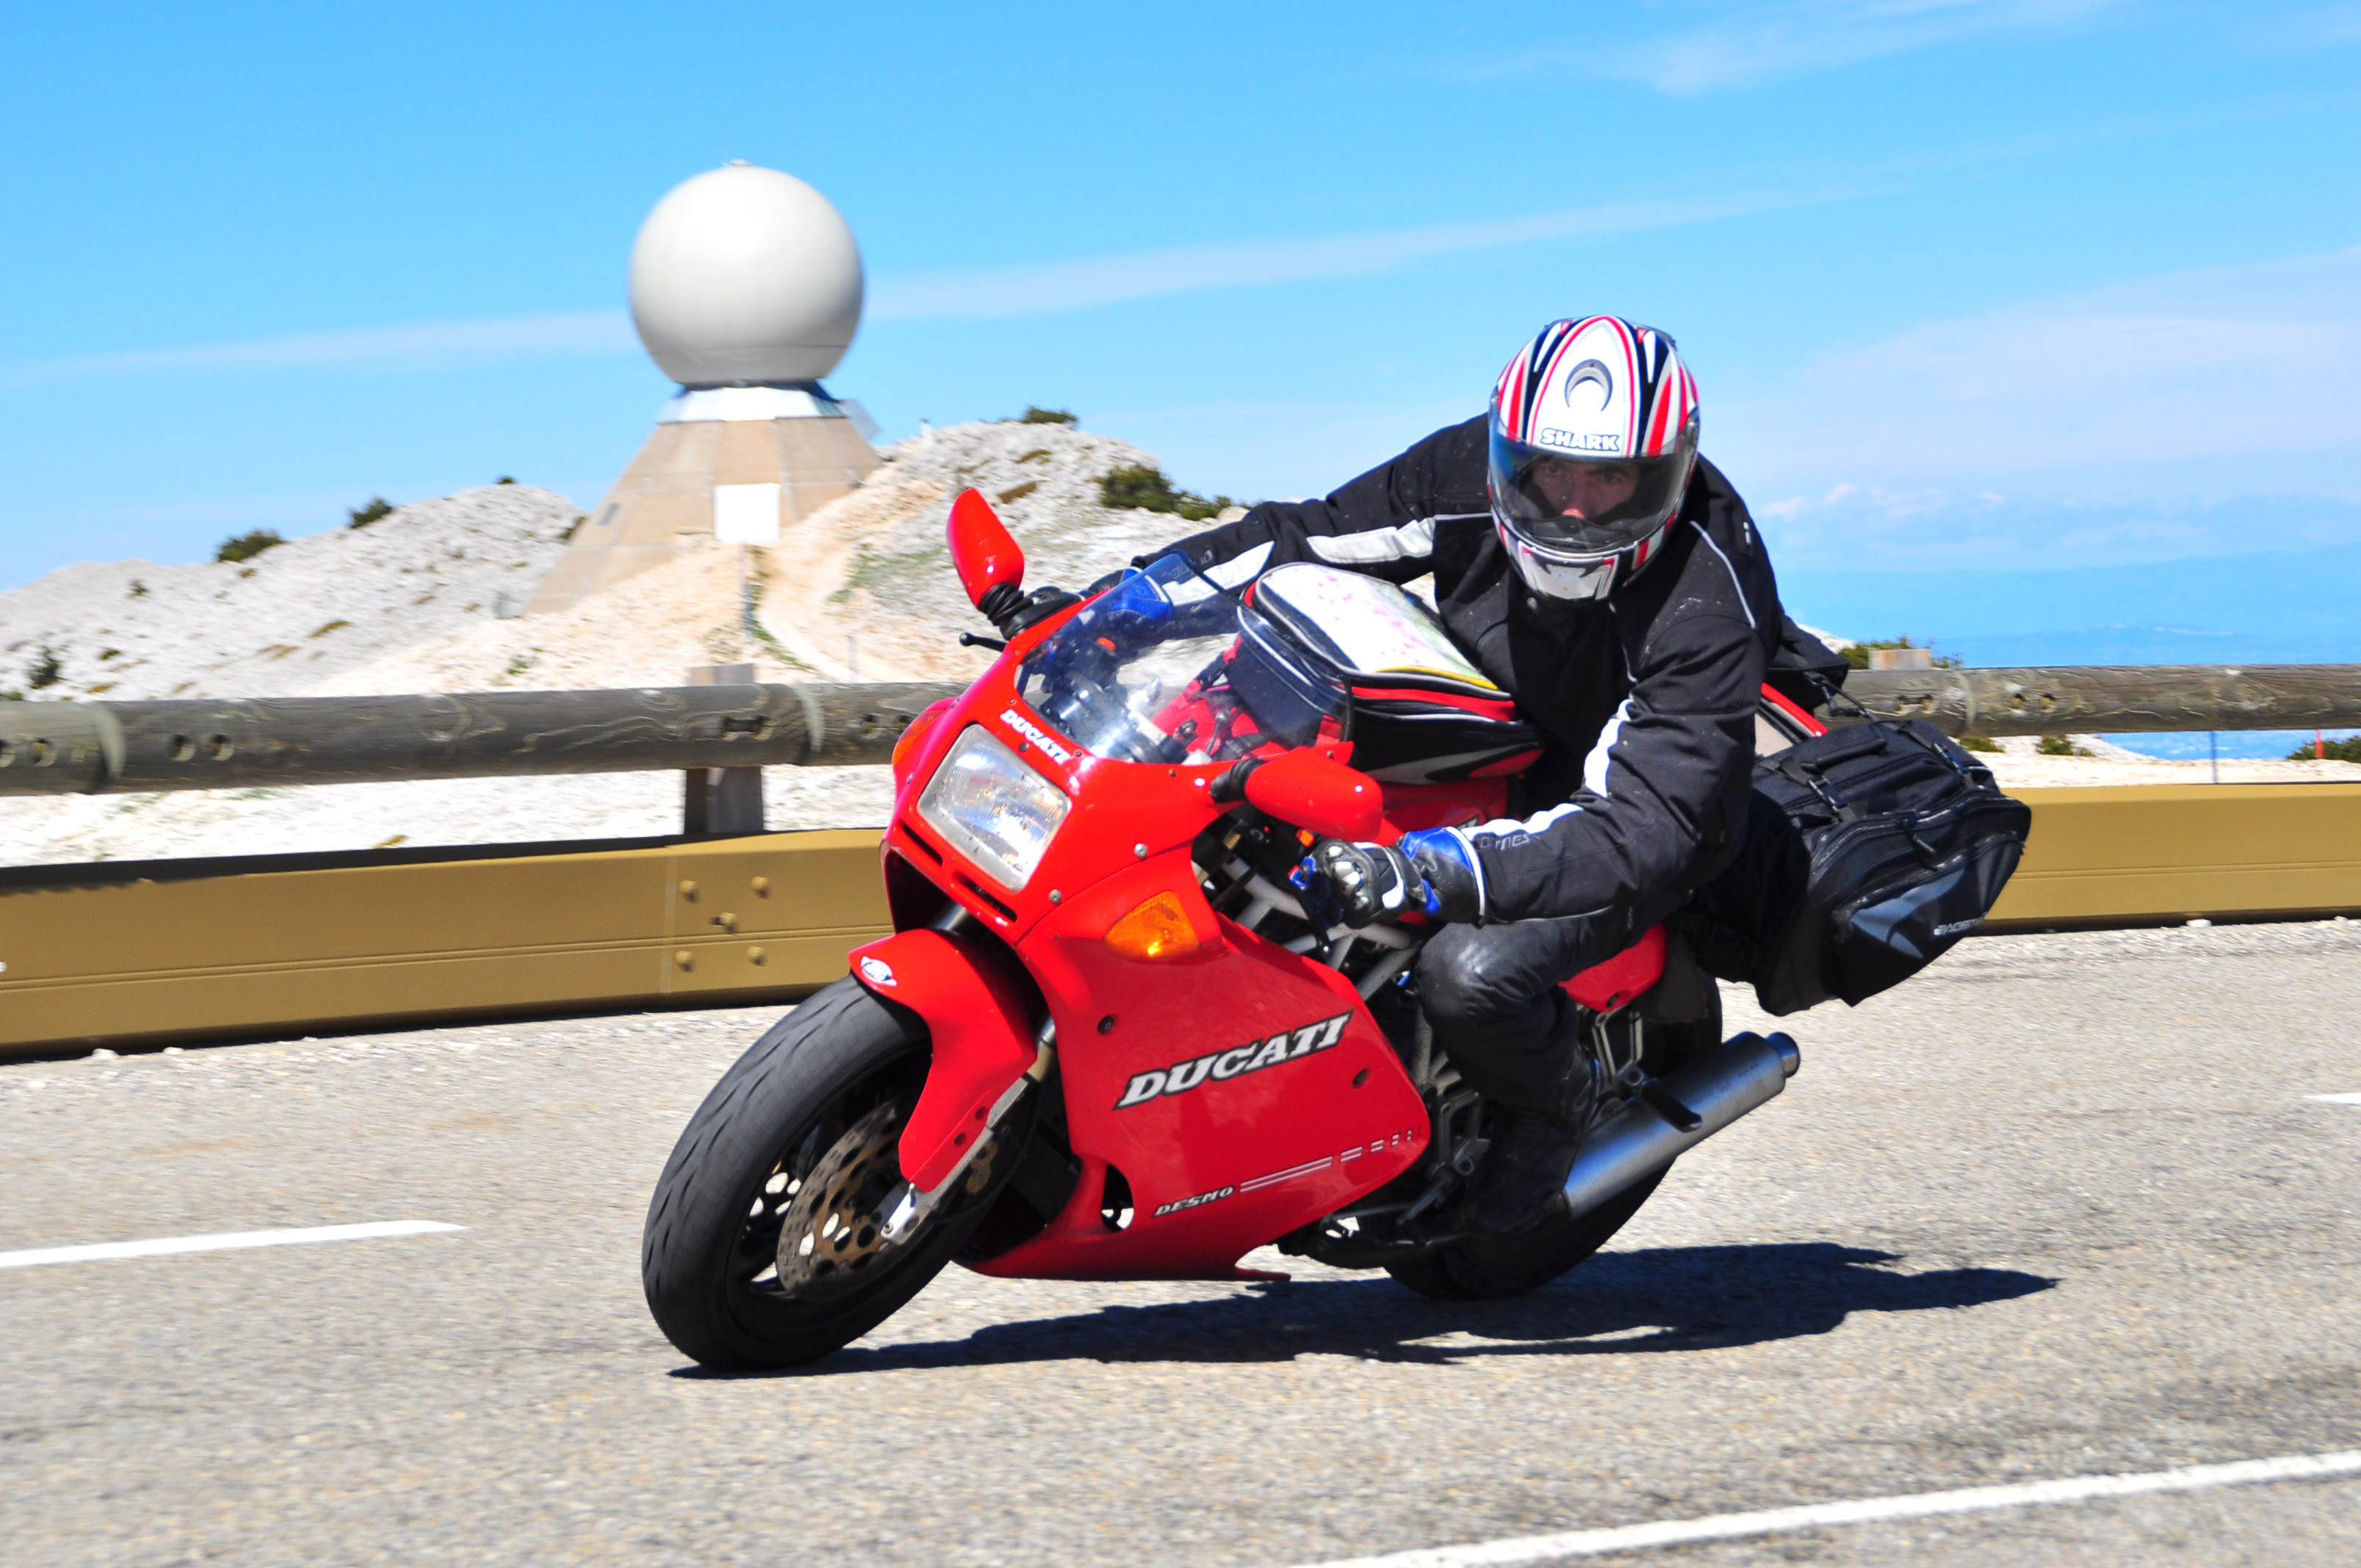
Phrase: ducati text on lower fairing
pixel 1220 1066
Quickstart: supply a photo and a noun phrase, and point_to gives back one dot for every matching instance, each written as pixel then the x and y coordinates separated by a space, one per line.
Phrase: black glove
pixel 1354 885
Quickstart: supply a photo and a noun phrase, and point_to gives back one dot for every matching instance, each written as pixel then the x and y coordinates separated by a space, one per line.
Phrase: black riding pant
pixel 1490 993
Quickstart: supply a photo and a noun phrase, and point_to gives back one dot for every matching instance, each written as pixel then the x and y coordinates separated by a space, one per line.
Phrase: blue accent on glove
pixel 1317 895
pixel 1438 844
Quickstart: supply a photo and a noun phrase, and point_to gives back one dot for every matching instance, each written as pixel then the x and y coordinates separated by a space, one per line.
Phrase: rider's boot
pixel 1523 1180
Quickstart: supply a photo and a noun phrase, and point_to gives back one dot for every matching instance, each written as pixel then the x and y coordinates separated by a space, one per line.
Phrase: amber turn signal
pixel 1158 929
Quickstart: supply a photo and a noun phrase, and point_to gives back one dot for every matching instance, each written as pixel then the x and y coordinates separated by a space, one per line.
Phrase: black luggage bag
pixel 1869 851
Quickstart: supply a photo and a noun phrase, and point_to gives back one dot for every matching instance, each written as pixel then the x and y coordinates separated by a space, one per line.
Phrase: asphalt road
pixel 2059 1207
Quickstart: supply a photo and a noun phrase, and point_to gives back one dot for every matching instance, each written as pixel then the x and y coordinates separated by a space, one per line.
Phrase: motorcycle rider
pixel 1594 566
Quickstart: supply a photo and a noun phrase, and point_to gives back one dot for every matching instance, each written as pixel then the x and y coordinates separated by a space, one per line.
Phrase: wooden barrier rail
pixel 66 748
pixel 122 952
pixel 2144 699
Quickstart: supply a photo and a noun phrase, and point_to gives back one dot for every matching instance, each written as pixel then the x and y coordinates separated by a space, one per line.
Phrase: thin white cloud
pixel 1739 45
pixel 982 294
pixel 2243 372
pixel 1195 269
pixel 423 343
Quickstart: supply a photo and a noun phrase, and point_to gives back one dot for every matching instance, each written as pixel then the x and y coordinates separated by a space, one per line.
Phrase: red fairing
pixel 1225 1090
pixel 1809 725
pixel 983 551
pixel 979 1021
pixel 1605 987
pixel 914 739
pixel 1481 797
pixel 1242 1092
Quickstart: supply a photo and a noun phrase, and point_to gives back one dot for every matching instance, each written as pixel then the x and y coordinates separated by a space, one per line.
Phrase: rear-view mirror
pixel 984 553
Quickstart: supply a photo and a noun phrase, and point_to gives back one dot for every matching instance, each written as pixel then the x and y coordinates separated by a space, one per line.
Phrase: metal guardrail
pixel 282 945
pixel 62 748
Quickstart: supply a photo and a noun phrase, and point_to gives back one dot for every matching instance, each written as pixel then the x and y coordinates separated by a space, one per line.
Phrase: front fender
pixel 980 1022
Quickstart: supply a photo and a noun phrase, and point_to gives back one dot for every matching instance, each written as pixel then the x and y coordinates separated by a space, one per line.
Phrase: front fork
pixel 910 1209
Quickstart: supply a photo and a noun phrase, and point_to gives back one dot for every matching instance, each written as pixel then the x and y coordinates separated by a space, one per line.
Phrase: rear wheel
pixel 762 1246
pixel 1484 1268
pixel 1487 1268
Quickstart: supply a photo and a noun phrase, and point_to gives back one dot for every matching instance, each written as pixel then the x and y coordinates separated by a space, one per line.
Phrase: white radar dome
pixel 745 275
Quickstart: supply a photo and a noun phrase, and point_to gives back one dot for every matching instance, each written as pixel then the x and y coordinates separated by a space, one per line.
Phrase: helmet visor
pixel 1585 507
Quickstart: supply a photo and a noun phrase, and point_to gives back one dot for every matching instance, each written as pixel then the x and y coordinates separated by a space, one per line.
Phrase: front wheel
pixel 763 1246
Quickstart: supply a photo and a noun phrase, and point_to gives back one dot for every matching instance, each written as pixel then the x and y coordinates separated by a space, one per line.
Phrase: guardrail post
pixel 721 800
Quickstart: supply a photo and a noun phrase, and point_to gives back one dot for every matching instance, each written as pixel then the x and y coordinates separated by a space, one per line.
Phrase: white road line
pixel 1865 1510
pixel 228 1240
pixel 2336 1098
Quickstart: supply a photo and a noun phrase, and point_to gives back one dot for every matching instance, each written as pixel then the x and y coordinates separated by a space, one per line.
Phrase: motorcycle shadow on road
pixel 1649 1301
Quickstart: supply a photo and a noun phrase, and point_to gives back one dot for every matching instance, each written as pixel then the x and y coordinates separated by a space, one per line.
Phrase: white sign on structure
pixel 746 514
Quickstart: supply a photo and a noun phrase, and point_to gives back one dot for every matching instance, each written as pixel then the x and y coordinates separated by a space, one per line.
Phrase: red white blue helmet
pixel 1594 434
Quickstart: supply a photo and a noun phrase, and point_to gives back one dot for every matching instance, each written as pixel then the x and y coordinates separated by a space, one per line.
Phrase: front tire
pixel 799 1121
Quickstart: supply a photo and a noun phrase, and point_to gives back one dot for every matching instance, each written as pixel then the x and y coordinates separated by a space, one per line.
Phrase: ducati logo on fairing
pixel 1590 373
pixel 1221 1066
pixel 1034 732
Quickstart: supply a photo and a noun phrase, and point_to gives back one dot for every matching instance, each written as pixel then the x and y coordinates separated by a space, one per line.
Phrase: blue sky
pixel 1969 286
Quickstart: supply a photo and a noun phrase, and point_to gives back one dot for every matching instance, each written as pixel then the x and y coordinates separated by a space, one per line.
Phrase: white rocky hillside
pixel 289 619
pixel 871 566
pixel 414 602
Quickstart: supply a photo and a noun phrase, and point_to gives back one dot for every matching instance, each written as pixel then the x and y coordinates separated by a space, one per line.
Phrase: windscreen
pixel 1165 667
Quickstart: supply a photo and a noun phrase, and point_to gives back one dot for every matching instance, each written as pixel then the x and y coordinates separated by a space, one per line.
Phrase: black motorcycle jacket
pixel 1645 699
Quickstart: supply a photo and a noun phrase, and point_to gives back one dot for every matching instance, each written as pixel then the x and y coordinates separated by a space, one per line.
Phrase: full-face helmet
pixel 1594 433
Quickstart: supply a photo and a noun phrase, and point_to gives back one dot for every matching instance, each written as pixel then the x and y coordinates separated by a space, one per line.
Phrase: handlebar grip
pixel 1229 786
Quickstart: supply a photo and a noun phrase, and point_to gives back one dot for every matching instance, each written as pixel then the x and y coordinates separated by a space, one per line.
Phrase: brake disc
pixel 832 1235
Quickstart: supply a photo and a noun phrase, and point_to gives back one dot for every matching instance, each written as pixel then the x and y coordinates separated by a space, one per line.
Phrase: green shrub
pixel 45 670
pixel 247 546
pixel 138 589
pixel 1147 490
pixel 363 516
pixel 2062 746
pixel 1858 654
pixel 505 480
pixel 1036 414
pixel 1978 743
pixel 2345 751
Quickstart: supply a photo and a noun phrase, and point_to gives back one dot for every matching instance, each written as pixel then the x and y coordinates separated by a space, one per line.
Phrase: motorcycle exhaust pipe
pixel 1742 1073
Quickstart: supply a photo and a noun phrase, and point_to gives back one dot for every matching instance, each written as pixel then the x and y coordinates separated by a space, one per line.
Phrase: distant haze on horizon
pixel 1997 306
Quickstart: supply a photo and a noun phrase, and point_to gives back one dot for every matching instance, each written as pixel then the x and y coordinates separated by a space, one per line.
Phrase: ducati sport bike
pixel 1106 1039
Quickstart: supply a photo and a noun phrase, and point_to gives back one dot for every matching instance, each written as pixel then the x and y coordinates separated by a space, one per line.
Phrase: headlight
pixel 994 809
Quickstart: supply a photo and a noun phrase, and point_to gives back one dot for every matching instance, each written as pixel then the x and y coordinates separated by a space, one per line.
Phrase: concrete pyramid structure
pixel 810 448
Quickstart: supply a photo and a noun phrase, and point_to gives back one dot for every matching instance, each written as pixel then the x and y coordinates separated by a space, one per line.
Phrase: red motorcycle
pixel 1107 1040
